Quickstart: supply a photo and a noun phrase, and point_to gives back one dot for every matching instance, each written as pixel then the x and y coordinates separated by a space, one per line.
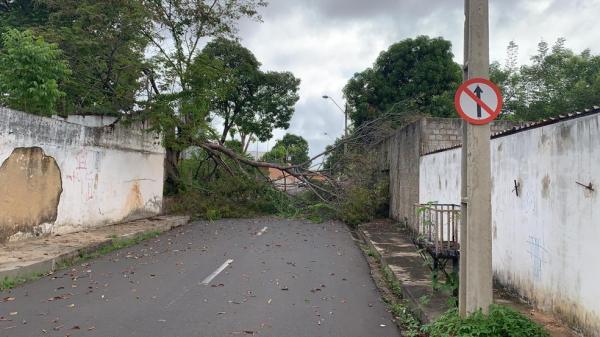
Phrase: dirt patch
pixel 30 189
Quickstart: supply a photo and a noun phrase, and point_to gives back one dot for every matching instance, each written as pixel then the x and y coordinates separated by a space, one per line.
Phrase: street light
pixel 344 111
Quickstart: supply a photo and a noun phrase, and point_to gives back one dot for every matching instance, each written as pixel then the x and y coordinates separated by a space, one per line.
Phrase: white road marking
pixel 216 272
pixel 262 231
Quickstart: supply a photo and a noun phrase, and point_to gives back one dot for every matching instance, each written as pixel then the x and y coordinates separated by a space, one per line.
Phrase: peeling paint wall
pixel 106 175
pixel 545 240
pixel 30 188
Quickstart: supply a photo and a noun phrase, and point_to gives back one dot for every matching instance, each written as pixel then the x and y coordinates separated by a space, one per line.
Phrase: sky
pixel 325 42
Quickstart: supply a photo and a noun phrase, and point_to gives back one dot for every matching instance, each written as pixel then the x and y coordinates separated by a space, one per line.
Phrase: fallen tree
pixel 325 183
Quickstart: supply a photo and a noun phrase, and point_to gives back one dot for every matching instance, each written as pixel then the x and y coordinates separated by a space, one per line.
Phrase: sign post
pixel 478 103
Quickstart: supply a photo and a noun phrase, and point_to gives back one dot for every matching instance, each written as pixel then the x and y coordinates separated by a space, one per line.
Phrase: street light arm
pixel 334 102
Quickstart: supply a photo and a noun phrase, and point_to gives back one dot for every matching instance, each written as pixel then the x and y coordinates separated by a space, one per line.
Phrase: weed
pixel 116 244
pixel 372 253
pixel 425 299
pixel 411 326
pixel 501 322
pixel 12 282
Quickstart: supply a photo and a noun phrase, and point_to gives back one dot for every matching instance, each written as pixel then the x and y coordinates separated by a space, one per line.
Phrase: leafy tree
pixel 253 103
pixel 105 45
pixel 30 72
pixel 558 81
pixel 414 74
pixel 102 41
pixel 22 14
pixel 291 149
pixel 177 109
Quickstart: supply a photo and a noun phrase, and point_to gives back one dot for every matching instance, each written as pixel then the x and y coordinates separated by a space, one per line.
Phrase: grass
pixel 410 324
pixel 411 327
pixel 501 322
pixel 115 244
pixel 11 282
pixel 372 253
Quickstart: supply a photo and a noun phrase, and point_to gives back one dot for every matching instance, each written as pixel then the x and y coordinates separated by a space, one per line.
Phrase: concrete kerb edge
pixel 49 266
pixel 413 303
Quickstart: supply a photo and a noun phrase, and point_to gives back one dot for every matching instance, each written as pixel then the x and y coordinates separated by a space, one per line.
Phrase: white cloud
pixel 324 42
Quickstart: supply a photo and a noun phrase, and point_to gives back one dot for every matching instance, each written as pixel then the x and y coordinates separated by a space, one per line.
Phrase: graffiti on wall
pixel 538 254
pixel 85 173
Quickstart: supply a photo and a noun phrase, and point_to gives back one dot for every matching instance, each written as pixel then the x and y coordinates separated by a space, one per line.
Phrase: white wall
pixel 545 241
pixel 91 121
pixel 439 178
pixel 108 174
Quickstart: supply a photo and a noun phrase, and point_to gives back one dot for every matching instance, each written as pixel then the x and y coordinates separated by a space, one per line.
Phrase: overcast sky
pixel 324 42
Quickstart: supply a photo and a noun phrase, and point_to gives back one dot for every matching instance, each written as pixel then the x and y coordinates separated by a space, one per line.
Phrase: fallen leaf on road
pixel 13 313
pixel 60 297
pixel 8 299
pixel 71 305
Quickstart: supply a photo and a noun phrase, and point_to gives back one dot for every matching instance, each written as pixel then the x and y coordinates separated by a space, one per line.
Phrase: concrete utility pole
pixel 476 231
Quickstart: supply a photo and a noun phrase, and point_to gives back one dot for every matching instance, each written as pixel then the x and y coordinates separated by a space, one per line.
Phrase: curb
pixel 50 265
pixel 414 303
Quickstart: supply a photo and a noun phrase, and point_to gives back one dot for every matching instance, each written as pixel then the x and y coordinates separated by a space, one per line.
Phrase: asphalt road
pixel 287 279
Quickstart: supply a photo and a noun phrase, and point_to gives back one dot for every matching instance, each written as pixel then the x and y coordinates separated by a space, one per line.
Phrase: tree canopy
pixel 291 149
pixel 30 72
pixel 415 74
pixel 103 43
pixel 250 102
pixel 558 81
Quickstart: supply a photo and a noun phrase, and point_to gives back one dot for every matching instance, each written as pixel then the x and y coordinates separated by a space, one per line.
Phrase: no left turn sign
pixel 478 101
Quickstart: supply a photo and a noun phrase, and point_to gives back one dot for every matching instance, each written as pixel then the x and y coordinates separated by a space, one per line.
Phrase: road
pixel 285 278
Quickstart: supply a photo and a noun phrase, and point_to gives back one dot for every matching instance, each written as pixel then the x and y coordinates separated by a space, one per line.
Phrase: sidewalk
pixel 26 258
pixel 396 250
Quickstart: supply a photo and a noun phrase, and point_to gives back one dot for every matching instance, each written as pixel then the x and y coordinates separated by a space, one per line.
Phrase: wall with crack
pixel 59 177
pixel 546 231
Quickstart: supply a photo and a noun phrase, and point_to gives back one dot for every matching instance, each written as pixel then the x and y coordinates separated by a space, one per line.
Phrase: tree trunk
pixel 171 171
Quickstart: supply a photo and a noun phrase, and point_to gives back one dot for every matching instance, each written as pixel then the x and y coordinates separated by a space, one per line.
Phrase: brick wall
pixel 443 133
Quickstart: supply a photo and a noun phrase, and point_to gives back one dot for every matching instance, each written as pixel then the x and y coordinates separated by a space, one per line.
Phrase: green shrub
pixel 30 72
pixel 363 203
pixel 501 322
pixel 357 206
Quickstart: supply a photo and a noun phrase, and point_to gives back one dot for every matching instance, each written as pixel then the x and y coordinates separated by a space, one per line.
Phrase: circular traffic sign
pixel 478 101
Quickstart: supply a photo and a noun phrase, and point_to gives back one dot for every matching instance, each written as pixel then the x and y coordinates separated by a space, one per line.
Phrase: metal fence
pixel 436 226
